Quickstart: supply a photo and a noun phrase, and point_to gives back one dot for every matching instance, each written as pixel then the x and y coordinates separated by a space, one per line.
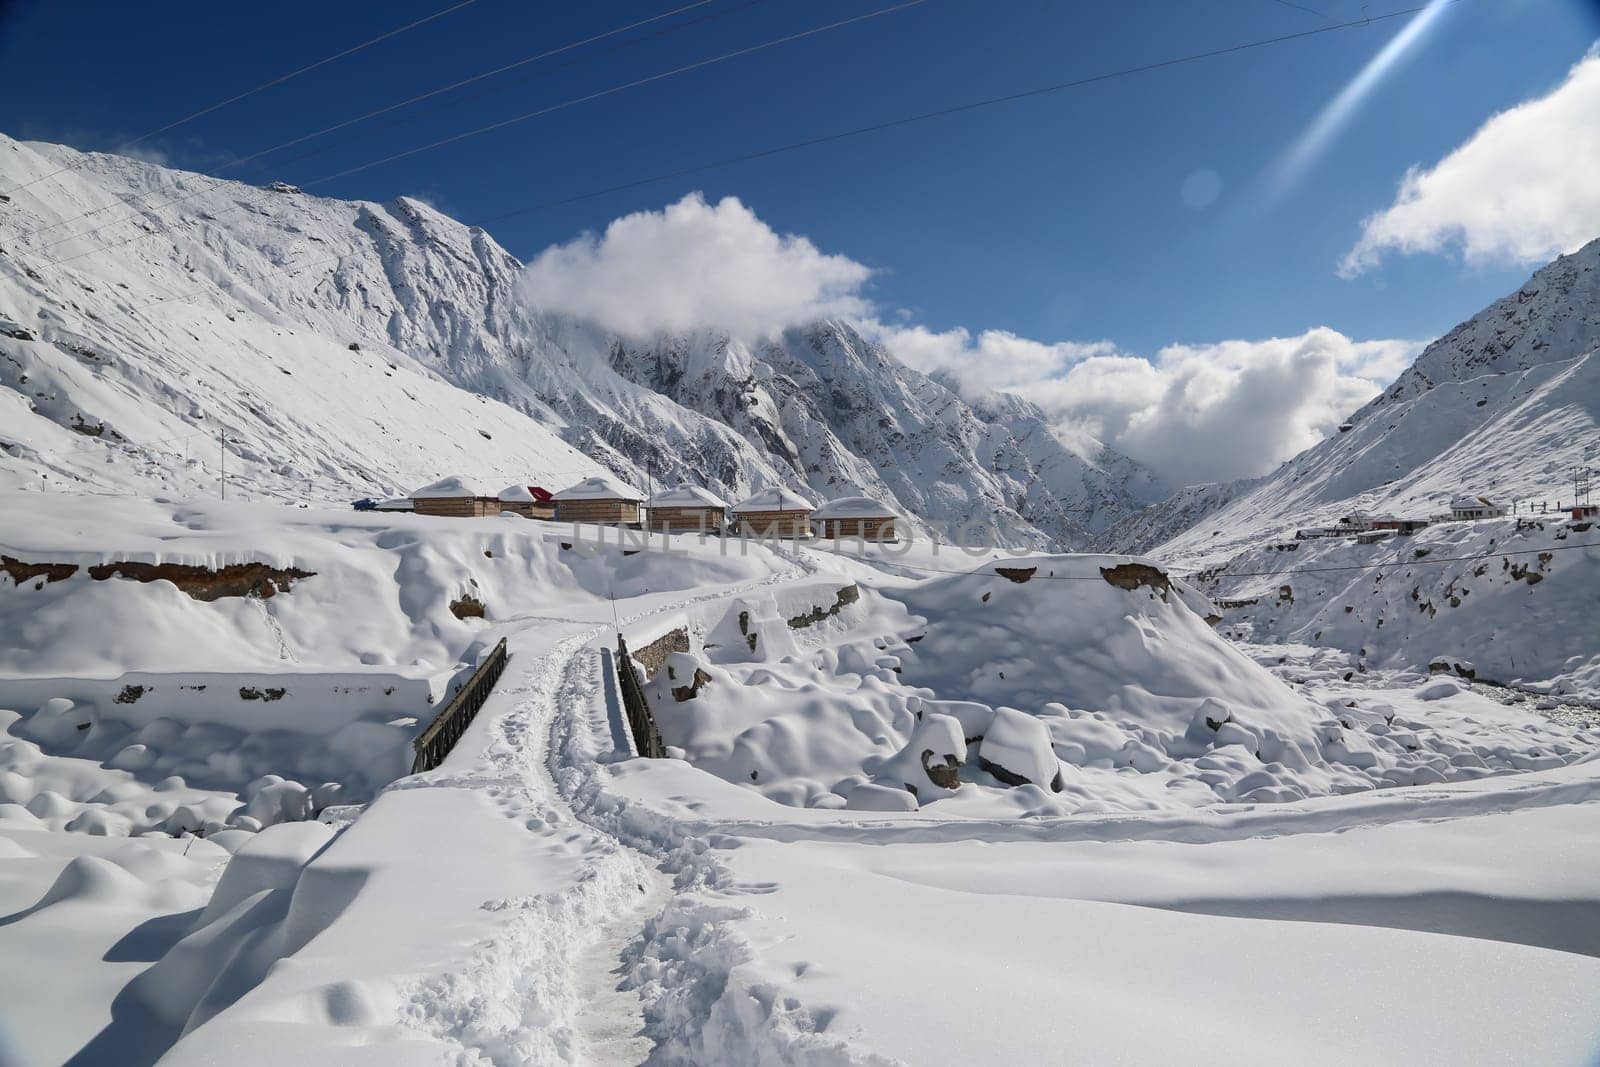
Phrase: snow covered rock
pixel 1017 750
pixel 930 764
pixel 871 797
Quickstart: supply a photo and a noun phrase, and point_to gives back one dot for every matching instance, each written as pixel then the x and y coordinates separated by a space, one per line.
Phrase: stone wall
pixel 654 655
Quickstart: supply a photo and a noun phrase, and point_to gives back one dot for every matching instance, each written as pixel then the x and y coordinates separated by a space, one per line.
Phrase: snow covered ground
pixel 1387 866
pixel 1514 599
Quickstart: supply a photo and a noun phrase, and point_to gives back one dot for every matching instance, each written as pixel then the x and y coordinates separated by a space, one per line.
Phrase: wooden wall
pixel 687 520
pixel 461 507
pixel 870 529
pixel 528 509
pixel 774 523
pixel 601 511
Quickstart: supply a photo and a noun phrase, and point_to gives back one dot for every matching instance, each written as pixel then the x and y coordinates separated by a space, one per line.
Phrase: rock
pixel 1017 750
pixel 930 764
pixel 871 797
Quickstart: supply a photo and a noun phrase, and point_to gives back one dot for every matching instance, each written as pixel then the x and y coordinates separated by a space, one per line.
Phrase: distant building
pixel 454 496
pixel 603 499
pixel 775 512
pixel 688 509
pixel 1398 525
pixel 529 501
pixel 855 516
pixel 1355 522
pixel 1585 511
pixel 1475 507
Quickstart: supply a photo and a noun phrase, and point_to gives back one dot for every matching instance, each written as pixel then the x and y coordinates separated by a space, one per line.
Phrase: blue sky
pixel 1056 218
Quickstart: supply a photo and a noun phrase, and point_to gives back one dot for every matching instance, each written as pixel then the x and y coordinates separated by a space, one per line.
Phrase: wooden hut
pixel 1470 508
pixel 855 516
pixel 688 509
pixel 603 499
pixel 454 496
pixel 775 512
pixel 529 501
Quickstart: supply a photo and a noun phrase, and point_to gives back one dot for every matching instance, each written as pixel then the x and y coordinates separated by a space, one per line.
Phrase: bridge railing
pixel 434 743
pixel 646 738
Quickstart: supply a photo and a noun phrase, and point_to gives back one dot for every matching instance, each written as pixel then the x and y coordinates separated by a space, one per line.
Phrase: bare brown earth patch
pixel 841 600
pixel 51 572
pixel 1131 576
pixel 205 583
pixel 1016 574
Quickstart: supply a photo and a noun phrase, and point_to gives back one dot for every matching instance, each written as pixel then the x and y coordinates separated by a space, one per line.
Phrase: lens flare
pixel 1294 162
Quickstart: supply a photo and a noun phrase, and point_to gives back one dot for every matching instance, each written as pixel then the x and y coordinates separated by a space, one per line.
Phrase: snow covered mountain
pixel 1505 404
pixel 350 347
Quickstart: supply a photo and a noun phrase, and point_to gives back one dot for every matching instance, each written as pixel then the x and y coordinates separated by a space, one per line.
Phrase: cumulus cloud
pixel 994 359
pixel 1195 413
pixel 1520 190
pixel 692 265
pixel 1201 413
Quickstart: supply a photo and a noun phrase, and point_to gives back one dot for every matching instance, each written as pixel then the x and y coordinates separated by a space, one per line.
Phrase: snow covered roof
pixel 451 485
pixel 516 494
pixel 687 496
pixel 1467 503
pixel 855 507
pixel 777 498
pixel 600 487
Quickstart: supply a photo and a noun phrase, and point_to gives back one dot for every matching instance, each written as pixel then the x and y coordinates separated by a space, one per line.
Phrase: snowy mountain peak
pixel 195 289
pixel 1502 404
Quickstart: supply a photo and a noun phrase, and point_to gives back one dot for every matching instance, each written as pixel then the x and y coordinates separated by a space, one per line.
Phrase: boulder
pixel 930 764
pixel 1017 750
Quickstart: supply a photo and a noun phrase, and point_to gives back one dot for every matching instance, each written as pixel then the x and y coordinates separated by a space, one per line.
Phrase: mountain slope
pixel 1505 404
pixel 257 285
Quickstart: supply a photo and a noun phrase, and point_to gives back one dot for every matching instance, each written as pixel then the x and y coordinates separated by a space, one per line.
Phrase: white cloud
pixel 1196 412
pixel 1520 190
pixel 695 265
pixel 997 359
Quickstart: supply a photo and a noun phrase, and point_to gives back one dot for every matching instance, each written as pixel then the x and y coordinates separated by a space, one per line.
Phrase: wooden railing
pixel 434 743
pixel 646 738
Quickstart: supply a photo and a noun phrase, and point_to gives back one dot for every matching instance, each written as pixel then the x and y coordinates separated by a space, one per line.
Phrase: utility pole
pixel 222 449
pixel 1580 485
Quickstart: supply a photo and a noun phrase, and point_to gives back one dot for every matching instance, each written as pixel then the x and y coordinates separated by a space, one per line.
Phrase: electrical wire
pixel 856 132
pixel 218 105
pixel 454 138
pixel 376 112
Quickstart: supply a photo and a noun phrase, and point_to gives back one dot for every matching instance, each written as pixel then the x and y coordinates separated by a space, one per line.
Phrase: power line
pixel 842 135
pixel 563 105
pixel 686 68
pixel 209 108
pixel 955 109
pixel 440 91
pixel 1301 7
